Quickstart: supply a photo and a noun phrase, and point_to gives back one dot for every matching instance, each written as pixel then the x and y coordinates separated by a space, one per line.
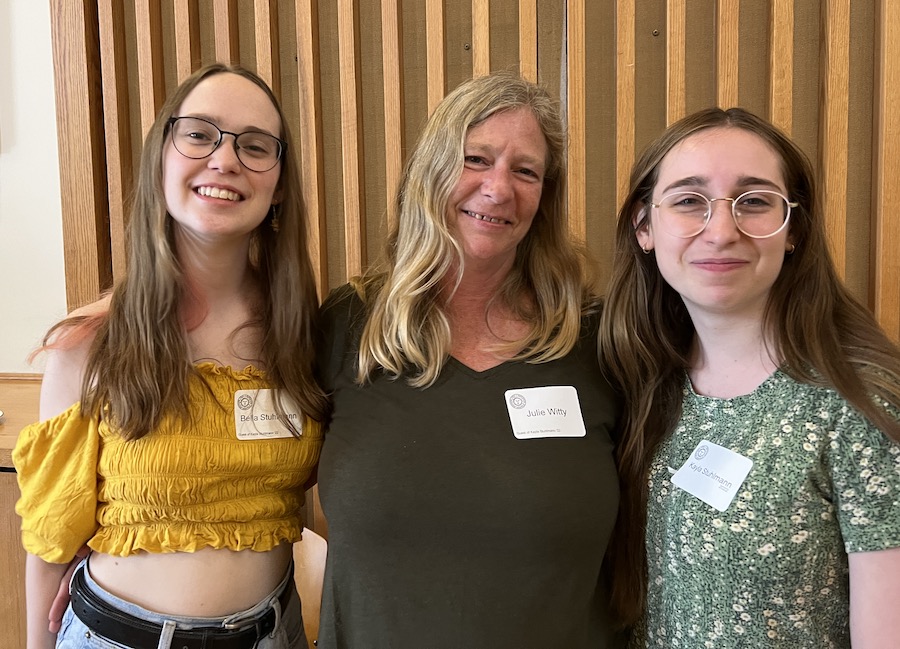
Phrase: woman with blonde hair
pixel 181 415
pixel 759 461
pixel 467 475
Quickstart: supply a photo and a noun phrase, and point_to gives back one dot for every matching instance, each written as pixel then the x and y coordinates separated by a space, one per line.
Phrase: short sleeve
pixel 865 468
pixel 56 462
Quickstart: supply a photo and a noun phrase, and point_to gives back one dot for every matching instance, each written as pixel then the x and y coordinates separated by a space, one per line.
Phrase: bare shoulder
pixel 66 356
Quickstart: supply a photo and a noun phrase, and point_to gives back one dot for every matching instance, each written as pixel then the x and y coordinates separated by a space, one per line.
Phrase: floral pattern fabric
pixel 771 570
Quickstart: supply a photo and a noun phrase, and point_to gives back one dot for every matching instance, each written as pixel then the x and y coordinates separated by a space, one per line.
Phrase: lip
pixel 719 265
pixel 487 219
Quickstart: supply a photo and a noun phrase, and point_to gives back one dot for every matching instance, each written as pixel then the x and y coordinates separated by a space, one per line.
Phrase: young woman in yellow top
pixel 180 415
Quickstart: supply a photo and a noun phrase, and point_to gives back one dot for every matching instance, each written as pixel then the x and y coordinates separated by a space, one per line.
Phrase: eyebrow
pixel 246 129
pixel 702 181
pixel 476 147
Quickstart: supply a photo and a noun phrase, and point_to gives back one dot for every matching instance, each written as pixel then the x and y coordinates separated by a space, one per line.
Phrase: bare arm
pixel 41 586
pixel 874 593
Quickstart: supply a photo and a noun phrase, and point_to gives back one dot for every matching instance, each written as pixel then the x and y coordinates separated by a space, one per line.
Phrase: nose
pixel 721 225
pixel 225 157
pixel 497 185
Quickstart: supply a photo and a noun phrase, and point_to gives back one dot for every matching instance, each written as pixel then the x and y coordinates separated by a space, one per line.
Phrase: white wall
pixel 32 273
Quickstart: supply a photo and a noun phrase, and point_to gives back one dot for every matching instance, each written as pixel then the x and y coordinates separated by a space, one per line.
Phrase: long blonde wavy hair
pixel 138 367
pixel 407 332
pixel 821 334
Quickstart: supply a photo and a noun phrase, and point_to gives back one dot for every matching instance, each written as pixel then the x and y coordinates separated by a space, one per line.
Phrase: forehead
pixel 233 102
pixel 722 154
pixel 516 128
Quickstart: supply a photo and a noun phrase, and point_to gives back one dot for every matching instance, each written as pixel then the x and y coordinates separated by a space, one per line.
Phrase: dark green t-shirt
pixel 445 530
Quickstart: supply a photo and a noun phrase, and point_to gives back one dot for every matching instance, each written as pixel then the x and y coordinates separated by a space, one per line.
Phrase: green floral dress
pixel 771 570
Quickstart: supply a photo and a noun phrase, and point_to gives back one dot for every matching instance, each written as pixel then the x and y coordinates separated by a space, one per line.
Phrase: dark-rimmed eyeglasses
pixel 197 138
pixel 759 214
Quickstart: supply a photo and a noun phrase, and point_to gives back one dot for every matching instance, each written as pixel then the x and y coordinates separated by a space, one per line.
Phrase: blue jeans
pixel 289 634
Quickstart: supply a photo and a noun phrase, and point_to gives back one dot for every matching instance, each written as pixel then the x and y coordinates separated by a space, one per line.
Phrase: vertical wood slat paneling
pixel 436 67
pixel 394 126
pixel 781 64
pixel 311 153
pixel 186 16
pixel 783 97
pixel 351 139
pixel 86 251
pixel 267 49
pixel 481 37
pixel 676 23
pixel 528 45
pixel 886 182
pixel 727 40
pixel 834 128
pixel 111 23
pixel 575 107
pixel 149 59
pixel 625 88
pixel 225 19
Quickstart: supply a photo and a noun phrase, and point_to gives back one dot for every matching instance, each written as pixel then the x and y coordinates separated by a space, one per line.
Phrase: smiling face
pixel 217 197
pixel 720 270
pixel 499 190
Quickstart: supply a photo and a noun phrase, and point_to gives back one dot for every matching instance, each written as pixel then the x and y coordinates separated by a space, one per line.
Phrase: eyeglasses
pixel 758 214
pixel 197 138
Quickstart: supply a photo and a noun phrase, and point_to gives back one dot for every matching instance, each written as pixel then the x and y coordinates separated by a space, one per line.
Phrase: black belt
pixel 115 625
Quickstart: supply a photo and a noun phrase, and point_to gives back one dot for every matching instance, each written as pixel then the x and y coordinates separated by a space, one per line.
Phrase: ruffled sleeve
pixel 56 461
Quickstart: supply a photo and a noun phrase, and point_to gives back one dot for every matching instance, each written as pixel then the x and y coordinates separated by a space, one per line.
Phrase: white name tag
pixel 255 416
pixel 552 411
pixel 713 474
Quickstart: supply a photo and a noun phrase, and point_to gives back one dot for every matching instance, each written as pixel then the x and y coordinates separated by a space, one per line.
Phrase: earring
pixel 273 219
pixel 793 248
pixel 646 250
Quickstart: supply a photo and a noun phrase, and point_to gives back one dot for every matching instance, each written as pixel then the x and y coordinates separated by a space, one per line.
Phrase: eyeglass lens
pixel 757 214
pixel 197 138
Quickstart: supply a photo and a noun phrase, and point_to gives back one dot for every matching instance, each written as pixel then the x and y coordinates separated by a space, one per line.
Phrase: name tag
pixel 713 474
pixel 255 416
pixel 551 411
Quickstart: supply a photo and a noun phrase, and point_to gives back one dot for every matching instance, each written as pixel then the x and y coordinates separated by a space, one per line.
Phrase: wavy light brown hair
pixel 821 334
pixel 407 331
pixel 138 367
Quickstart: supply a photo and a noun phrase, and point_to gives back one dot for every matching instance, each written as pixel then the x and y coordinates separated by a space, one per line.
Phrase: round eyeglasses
pixel 197 138
pixel 758 214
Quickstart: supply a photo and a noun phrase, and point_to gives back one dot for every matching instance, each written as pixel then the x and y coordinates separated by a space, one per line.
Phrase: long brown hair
pixel 138 367
pixel 822 334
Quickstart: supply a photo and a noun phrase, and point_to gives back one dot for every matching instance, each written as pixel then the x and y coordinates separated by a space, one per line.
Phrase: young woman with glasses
pixel 180 416
pixel 759 463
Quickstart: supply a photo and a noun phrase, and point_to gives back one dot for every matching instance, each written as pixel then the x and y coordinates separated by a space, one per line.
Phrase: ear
pixel 641 224
pixel 277 196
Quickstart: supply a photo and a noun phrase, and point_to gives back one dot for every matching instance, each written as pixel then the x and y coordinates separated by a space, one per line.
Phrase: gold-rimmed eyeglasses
pixel 759 214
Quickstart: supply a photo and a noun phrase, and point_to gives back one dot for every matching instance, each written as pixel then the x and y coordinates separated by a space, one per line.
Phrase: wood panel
pixel 886 240
pixel 19 400
pixel 833 131
pixel 12 567
pixel 394 124
pixel 351 138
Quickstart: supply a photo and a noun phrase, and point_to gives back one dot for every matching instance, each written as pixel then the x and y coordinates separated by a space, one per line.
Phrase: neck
pixel 217 271
pixel 730 356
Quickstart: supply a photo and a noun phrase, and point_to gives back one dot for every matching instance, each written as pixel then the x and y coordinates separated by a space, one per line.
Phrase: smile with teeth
pixel 484 217
pixel 216 192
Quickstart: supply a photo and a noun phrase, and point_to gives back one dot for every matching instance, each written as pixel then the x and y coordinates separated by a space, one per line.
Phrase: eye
pixel 474 160
pixel 531 173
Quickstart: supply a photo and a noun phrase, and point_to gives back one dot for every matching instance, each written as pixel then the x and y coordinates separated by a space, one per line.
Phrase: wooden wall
pixel 358 78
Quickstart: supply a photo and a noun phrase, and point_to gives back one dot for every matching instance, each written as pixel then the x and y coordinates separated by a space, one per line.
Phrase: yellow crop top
pixel 181 488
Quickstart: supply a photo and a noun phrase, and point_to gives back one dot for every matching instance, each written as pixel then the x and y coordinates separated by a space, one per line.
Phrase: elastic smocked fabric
pixel 186 486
